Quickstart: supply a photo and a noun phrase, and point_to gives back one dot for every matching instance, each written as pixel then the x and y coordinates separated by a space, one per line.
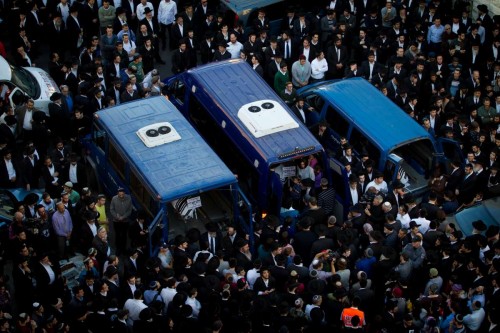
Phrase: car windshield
pixel 23 79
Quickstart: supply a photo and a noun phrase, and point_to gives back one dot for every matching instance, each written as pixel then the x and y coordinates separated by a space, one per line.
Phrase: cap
pixel 433 272
pixel 416 239
pixel 153 284
pixel 313 273
pixel 164 245
pixel 36 305
pixel 120 189
pixel 68 184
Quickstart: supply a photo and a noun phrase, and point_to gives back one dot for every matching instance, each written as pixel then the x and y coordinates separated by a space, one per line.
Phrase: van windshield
pixel 23 79
pixel 418 161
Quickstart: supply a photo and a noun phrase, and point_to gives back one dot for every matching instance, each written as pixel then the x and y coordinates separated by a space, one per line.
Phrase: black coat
pixel 180 61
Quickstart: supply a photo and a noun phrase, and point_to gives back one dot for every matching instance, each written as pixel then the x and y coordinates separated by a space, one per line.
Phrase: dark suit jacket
pixel 53 190
pixel 360 194
pixel 454 179
pixel 180 61
pixel 4 174
pixel 86 237
pixel 73 30
pixel 8 136
pixel 156 26
pixel 56 36
pixel 81 174
pixel 259 284
pixel 205 244
pixel 126 97
pixel 467 189
pixel 176 35
pixel 333 60
pixel 293 51
pixel 296 112
pixel 31 173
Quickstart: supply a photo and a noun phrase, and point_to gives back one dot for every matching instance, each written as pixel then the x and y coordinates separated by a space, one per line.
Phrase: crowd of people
pixel 392 266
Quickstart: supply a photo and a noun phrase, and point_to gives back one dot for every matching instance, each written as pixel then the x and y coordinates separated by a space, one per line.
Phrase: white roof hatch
pixel 266 117
pixel 158 134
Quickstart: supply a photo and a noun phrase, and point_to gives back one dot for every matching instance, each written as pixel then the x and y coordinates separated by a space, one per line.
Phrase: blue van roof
pixel 380 121
pixel 232 84
pixel 239 6
pixel 172 170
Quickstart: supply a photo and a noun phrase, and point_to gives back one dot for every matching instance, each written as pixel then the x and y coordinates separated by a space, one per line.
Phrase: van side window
pixel 178 89
pixel 141 193
pixel 99 136
pixel 362 144
pixel 337 123
pixel 248 178
pixel 317 102
pixel 116 160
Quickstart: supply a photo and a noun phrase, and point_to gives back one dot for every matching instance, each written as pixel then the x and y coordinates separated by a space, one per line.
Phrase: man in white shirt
pixel 319 66
pixel 234 47
pixel 134 307
pixel 378 182
pixel 169 291
pixel 166 17
pixel 141 7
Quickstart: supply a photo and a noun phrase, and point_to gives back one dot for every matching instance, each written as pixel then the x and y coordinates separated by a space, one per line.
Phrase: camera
pixel 330 255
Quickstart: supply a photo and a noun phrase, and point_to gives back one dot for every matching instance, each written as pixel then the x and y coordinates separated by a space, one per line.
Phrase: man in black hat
pixel 212 238
pixel 10 171
pixel 221 53
pixel 153 29
pixel 484 16
pixel 337 57
pixel 115 90
pixel 207 47
pixel 7 132
pixel 180 58
pixel 58 117
pixel 88 230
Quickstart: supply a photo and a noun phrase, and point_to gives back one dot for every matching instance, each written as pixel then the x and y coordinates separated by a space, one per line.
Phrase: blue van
pixel 371 123
pixel 246 11
pixel 148 148
pixel 248 125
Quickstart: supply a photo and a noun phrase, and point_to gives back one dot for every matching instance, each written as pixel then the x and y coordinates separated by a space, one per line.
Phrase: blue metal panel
pixel 232 84
pixel 488 211
pixel 364 106
pixel 243 7
pixel 172 170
